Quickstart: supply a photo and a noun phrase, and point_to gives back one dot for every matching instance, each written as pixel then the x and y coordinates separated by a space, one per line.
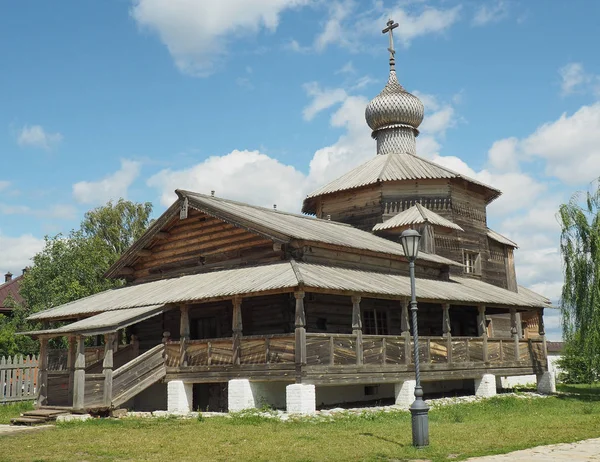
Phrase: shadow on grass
pixel 381 438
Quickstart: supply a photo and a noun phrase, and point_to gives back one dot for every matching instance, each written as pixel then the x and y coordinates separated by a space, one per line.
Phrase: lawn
pixel 8 411
pixel 497 425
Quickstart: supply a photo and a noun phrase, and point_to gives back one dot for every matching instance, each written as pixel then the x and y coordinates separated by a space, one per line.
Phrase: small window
pixel 471 262
pixel 375 322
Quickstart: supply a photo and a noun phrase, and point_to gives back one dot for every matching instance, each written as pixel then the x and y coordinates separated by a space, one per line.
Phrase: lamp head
pixel 410 243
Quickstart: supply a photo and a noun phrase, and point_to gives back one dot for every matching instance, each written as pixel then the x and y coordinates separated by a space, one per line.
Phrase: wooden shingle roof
pixel 417 214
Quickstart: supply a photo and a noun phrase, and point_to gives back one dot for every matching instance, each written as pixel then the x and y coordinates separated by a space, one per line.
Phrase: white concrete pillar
pixel 485 386
pixel 405 393
pixel 240 395
pixel 179 396
pixel 300 398
pixel 546 383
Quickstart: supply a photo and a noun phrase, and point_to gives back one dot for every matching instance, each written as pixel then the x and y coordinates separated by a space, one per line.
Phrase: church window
pixel 375 322
pixel 471 260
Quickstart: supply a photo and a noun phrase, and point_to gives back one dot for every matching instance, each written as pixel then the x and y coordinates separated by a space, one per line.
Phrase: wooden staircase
pixel 138 374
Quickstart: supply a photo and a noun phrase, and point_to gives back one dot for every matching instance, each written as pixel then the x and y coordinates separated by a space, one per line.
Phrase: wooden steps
pixel 39 416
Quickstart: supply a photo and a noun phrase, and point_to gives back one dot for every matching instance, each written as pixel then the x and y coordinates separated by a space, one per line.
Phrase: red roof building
pixel 10 289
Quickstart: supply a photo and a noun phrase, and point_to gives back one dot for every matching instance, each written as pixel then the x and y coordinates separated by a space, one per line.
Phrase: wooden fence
pixel 18 378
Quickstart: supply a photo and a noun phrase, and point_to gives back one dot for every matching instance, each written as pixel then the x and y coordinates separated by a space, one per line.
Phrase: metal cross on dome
pixel 391 25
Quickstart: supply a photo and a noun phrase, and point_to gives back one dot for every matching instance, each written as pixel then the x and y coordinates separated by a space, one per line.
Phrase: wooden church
pixel 231 306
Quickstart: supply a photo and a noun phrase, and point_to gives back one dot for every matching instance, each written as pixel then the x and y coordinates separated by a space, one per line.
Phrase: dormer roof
pixel 415 215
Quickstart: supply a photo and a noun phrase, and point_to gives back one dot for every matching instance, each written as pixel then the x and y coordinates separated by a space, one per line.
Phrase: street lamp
pixel 420 419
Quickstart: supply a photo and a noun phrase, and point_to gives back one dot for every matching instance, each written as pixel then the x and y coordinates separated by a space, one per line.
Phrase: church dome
pixel 394 107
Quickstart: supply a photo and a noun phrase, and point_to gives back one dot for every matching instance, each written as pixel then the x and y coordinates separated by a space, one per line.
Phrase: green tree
pixel 11 344
pixel 580 301
pixel 71 267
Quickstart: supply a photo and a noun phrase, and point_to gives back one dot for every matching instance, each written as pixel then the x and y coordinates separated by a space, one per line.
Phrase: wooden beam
pixel 357 328
pixel 43 372
pixel 514 332
pixel 71 365
pixel 405 326
pixel 162 235
pixel 184 333
pixel 144 253
pixel 107 368
pixel 447 330
pixel 236 327
pixel 482 328
pixel 183 212
pixel 542 333
pixel 79 376
pixel 126 270
pixel 300 323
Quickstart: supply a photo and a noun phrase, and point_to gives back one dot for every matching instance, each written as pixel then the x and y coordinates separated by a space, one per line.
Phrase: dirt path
pixel 587 450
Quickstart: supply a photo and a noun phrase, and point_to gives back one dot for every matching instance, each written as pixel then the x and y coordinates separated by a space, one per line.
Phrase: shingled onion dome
pixel 394 115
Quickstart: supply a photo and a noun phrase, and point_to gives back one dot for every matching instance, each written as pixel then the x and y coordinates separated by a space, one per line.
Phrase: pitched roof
pixel 500 238
pixel 10 288
pixel 286 277
pixel 392 167
pixel 274 224
pixel 417 214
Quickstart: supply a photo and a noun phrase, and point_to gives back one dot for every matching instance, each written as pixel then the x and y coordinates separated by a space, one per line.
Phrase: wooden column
pixel 300 323
pixel 542 332
pixel 107 367
pixel 357 328
pixel 79 376
pixel 71 365
pixel 447 330
pixel 135 346
pixel 236 327
pixel 184 333
pixel 43 373
pixel 482 328
pixel 405 326
pixel 514 332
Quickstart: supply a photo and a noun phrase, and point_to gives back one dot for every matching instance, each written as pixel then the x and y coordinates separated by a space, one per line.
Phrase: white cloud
pixel 321 99
pixel 429 21
pixel 487 13
pixel 112 187
pixel 334 31
pixel 35 136
pixel 17 252
pixel 4 185
pixel 503 154
pixel 197 33
pixel 247 176
pixel 57 211
pixel 347 68
pixel 574 79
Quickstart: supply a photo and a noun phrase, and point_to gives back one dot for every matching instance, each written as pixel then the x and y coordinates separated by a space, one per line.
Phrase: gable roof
pixel 282 227
pixel 417 214
pixel 10 288
pixel 392 167
pixel 500 238
pixel 287 277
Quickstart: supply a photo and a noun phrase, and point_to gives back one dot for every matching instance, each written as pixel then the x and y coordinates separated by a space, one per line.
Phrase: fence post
pixel 79 377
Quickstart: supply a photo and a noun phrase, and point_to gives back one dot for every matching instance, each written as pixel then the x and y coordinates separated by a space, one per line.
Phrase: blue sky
pixel 263 100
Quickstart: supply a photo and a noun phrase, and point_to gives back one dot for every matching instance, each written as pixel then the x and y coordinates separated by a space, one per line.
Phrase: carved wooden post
pixel 236 327
pixel 405 326
pixel 135 346
pixel 514 333
pixel 482 328
pixel 184 334
pixel 447 330
pixel 300 322
pixel 79 376
pixel 43 372
pixel 71 365
pixel 357 328
pixel 107 367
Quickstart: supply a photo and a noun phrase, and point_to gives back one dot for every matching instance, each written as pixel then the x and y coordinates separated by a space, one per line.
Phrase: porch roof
pixel 108 321
pixel 286 277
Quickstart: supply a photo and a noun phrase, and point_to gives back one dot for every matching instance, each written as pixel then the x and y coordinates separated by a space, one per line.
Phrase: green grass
pixel 10 411
pixel 493 426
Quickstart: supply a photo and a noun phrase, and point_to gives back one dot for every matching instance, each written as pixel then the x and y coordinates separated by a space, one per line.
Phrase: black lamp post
pixel 419 410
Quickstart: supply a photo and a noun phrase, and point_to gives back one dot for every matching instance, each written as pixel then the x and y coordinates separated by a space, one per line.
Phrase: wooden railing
pixel 256 349
pixel 343 350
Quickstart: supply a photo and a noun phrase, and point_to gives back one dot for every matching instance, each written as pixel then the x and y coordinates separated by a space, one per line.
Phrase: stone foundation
pixel 485 386
pixel 405 393
pixel 179 396
pixel 300 399
pixel 546 383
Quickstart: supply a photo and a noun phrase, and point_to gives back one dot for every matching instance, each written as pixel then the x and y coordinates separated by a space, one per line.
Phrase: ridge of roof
pixel 496 236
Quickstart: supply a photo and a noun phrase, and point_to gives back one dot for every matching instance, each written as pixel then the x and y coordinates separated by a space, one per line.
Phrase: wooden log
pixel 43 372
pixel 514 332
pixel 184 333
pixel 357 328
pixel 236 327
pixel 107 366
pixel 300 323
pixel 79 376
pixel 405 325
pixel 482 328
